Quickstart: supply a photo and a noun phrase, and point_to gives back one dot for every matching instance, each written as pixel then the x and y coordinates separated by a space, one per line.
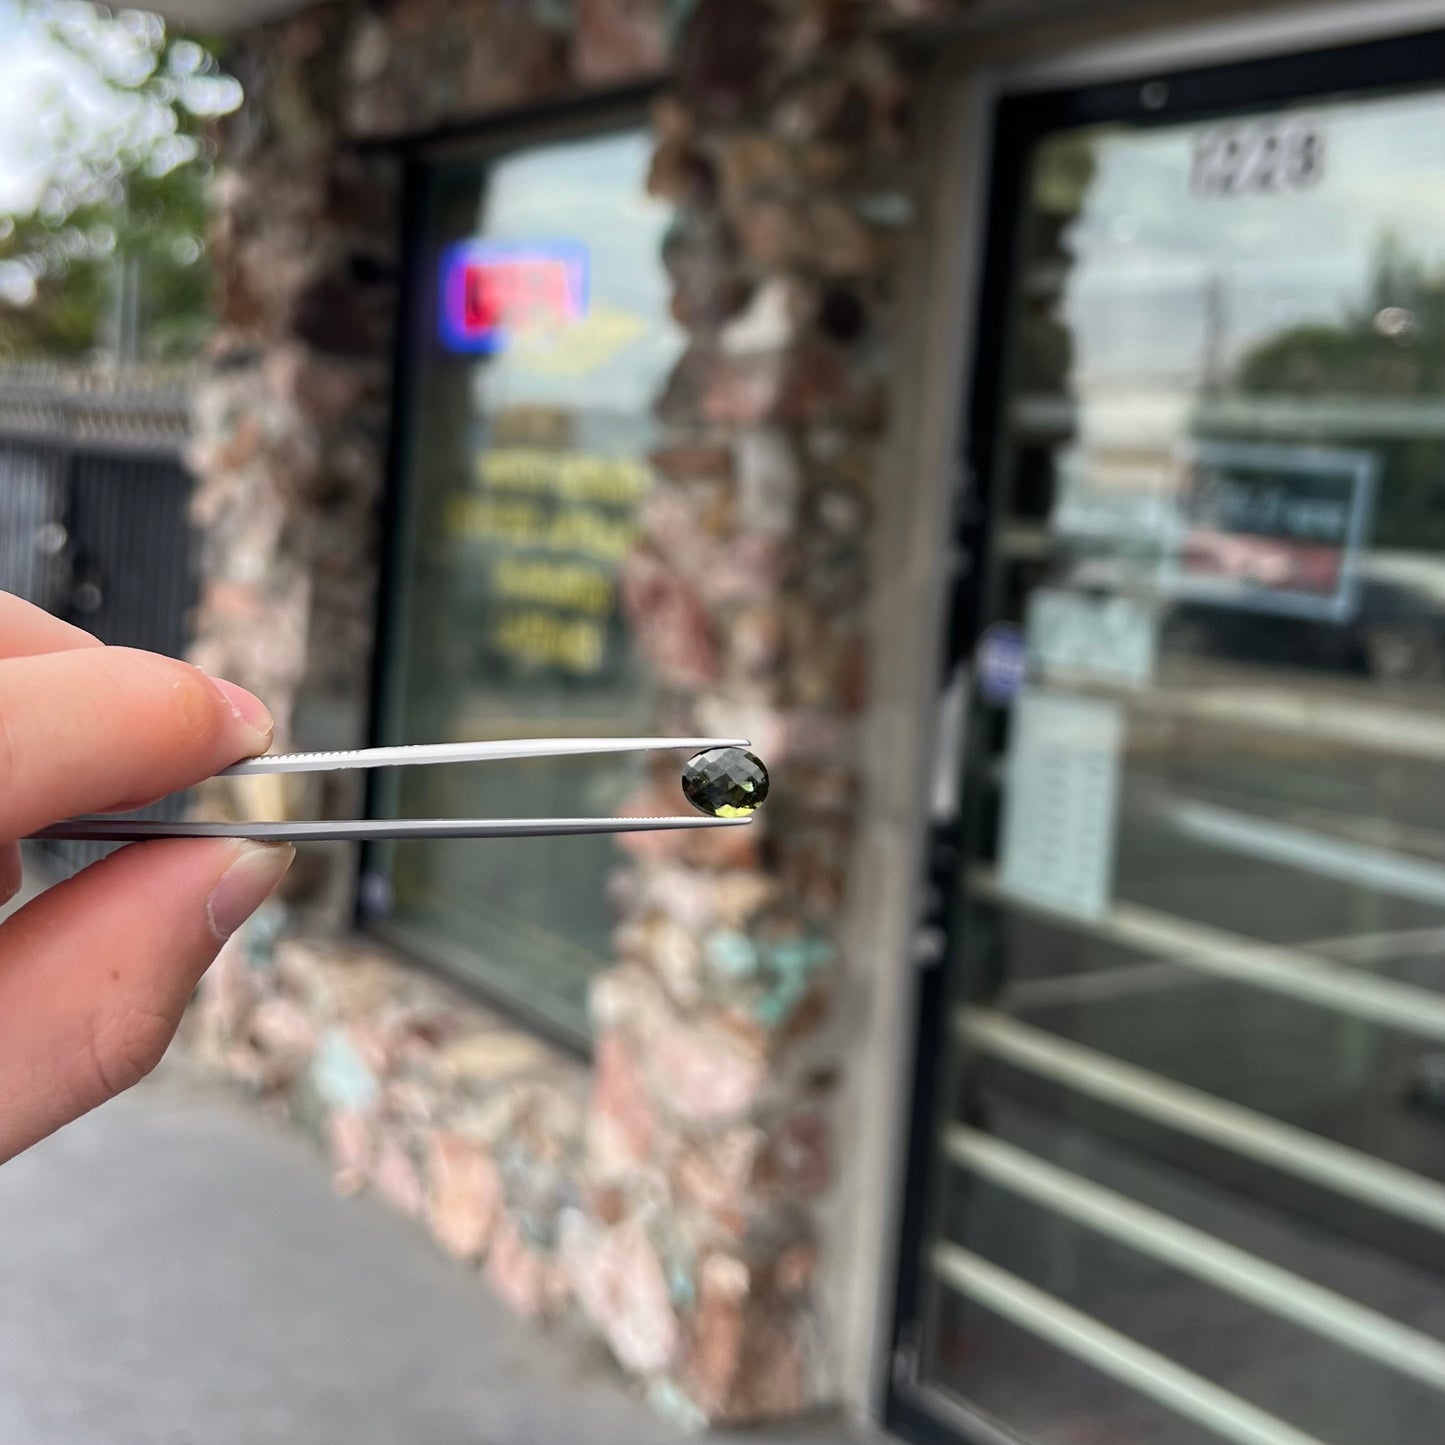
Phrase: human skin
pixel 96 972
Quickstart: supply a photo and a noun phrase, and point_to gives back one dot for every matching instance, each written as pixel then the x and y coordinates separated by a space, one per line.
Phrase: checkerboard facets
pixel 726 782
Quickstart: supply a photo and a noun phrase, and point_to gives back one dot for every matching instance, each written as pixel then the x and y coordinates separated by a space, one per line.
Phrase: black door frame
pixel 914 1410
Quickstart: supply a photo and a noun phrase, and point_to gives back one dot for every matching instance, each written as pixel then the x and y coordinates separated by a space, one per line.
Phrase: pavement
pixel 174 1269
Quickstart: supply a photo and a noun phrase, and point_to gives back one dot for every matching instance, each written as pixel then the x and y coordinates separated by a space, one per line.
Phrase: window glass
pixel 1189 1143
pixel 539 336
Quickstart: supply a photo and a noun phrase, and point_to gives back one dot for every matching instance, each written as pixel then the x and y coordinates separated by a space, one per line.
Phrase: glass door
pixel 1181 1169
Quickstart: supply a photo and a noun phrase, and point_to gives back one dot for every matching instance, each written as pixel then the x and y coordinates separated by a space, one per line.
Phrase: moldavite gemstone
pixel 726 782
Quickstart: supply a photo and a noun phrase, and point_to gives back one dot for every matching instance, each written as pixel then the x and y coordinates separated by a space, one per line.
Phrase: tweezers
pixel 113 830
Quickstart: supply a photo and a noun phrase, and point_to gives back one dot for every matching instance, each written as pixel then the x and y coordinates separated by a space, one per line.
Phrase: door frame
pixel 1212 68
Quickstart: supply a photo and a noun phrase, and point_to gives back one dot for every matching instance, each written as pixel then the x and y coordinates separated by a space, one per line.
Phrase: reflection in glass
pixel 540 336
pixel 1202 928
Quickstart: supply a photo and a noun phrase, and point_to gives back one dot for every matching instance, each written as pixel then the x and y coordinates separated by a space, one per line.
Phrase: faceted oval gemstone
pixel 726 782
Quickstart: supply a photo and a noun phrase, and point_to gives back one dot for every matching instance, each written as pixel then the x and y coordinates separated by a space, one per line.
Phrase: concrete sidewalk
pixel 174 1270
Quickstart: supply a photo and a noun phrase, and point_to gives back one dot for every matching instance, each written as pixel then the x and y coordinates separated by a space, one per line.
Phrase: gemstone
pixel 726 782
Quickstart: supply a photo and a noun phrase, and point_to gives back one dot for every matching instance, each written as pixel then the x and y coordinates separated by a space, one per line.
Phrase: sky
pixel 1147 251
pixel 22 61
pixel 592 191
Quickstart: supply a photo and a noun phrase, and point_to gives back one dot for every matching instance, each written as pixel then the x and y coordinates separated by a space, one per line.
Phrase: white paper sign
pixel 1104 637
pixel 1060 801
pixel 1263 157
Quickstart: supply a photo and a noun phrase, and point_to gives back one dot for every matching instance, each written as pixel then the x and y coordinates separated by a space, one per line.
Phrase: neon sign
pixel 495 291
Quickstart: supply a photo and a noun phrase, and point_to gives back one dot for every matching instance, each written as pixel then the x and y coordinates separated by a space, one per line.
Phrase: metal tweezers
pixel 112 830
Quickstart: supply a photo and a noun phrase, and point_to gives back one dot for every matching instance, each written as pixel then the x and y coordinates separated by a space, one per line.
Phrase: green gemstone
pixel 726 782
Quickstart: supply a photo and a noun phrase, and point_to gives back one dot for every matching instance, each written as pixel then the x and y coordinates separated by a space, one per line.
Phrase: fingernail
pixel 248 707
pixel 246 885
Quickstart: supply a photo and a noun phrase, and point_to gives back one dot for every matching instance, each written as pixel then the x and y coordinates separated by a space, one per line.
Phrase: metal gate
pixel 94 524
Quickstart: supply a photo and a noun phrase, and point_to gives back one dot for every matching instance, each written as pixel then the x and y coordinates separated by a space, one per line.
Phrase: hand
pixel 96 972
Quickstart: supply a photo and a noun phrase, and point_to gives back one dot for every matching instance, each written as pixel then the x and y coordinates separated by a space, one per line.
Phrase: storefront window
pixel 539 335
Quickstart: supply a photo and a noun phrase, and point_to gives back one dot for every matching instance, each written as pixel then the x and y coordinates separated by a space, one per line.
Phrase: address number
pixel 1258 158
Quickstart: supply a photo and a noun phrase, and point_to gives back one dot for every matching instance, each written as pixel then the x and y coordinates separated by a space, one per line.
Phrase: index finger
pixel 95 728
pixel 26 630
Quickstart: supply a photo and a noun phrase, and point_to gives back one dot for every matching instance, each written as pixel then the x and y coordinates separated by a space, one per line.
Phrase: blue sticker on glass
pixel 1002 662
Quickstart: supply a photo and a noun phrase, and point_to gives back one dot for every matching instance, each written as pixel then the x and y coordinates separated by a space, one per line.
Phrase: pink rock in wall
pixel 619 1282
pixel 702 1076
pixel 465 1194
pixel 619 40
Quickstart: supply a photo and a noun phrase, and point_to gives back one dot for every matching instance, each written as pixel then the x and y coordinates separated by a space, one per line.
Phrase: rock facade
pixel 667 1193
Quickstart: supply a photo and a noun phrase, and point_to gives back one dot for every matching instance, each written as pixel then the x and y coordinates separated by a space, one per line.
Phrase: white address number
pixel 1257 158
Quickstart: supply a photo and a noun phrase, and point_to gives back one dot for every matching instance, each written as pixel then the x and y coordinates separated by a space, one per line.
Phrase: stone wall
pixel 667 1194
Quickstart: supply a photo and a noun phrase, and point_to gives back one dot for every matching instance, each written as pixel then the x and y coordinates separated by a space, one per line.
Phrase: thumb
pixel 96 972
